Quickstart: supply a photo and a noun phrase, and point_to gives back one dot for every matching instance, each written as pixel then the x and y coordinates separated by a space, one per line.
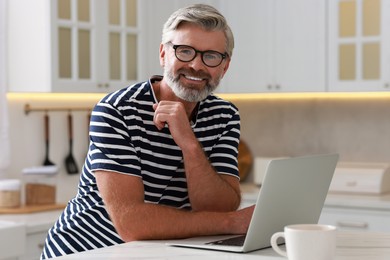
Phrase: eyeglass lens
pixel 187 53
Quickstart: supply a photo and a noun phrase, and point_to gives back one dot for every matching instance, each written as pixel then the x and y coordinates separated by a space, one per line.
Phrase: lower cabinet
pixel 347 213
pixel 356 219
pixel 34 245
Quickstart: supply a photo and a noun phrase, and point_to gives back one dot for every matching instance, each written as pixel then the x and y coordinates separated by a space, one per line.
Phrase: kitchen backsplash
pixel 358 129
pixel 28 138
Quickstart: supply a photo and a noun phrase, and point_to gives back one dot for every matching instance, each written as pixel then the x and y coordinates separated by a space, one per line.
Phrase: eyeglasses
pixel 187 53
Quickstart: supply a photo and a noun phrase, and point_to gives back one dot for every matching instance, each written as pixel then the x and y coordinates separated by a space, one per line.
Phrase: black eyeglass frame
pixel 223 55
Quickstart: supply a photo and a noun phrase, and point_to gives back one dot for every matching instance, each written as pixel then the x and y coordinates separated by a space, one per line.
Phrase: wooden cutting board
pixel 245 160
pixel 25 209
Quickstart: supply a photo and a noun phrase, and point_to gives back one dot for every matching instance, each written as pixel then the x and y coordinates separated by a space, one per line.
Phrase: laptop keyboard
pixel 234 241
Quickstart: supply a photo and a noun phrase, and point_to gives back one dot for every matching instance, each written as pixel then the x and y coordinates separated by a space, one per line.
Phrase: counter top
pixel 35 222
pixel 42 221
pixel 350 245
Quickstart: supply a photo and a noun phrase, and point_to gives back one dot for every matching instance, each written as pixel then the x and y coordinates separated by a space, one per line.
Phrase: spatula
pixel 70 162
pixel 47 160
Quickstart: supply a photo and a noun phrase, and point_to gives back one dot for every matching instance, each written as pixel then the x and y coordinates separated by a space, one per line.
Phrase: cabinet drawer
pixel 356 219
pixel 34 245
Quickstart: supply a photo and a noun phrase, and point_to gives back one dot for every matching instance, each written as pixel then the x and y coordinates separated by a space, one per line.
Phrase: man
pixel 162 161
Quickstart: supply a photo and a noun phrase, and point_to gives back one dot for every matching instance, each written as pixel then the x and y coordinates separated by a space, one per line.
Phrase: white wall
pixel 28 143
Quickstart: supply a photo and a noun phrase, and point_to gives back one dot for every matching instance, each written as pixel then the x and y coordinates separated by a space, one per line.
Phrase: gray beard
pixel 186 92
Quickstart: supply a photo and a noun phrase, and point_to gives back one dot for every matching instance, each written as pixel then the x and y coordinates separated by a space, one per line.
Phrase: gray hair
pixel 203 15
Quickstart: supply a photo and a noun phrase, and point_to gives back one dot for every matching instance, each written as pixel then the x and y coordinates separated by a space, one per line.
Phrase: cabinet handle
pixel 105 85
pixel 40 246
pixel 270 86
pixel 352 224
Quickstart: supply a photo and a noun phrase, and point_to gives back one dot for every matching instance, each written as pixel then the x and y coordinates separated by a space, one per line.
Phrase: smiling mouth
pixel 193 78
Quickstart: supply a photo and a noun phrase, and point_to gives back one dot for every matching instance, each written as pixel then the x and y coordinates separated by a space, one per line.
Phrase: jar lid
pixel 10 184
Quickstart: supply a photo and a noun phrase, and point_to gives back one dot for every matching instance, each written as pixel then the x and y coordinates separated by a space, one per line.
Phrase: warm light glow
pixel 237 96
pixel 307 95
pixel 56 96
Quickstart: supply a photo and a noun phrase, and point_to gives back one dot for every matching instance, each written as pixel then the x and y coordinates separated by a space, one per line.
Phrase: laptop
pixel 293 192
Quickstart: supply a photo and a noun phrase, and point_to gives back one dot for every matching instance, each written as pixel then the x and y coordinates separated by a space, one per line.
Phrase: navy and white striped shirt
pixel 124 139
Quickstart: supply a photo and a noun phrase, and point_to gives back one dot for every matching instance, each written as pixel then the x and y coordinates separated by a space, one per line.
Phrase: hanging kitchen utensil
pixel 70 162
pixel 46 126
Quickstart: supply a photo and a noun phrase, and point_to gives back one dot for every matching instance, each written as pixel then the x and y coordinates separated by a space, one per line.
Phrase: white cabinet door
pixel 359 45
pixel 250 69
pixel 29 46
pixel 280 46
pixel 119 38
pixel 34 245
pixel 73 40
pixel 73 45
pixel 300 44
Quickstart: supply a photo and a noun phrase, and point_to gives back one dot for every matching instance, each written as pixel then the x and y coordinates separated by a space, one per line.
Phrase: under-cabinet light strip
pixel 232 96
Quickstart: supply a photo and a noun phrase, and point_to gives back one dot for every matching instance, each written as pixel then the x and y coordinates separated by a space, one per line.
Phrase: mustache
pixel 193 73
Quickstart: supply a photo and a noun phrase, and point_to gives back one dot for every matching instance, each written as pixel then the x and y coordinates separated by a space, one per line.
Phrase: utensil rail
pixel 28 109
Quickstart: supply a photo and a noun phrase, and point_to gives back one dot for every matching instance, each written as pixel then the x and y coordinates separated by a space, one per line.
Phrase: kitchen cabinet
pixel 73 45
pixel 359 45
pixel 356 219
pixel 280 46
pixel 12 239
pixel 357 212
pixel 346 211
pixel 35 227
pixel 34 245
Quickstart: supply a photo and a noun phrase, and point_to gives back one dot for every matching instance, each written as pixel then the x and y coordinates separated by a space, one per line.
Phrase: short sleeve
pixel 111 148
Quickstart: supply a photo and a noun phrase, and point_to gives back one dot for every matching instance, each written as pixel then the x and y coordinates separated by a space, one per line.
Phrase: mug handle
pixel 275 245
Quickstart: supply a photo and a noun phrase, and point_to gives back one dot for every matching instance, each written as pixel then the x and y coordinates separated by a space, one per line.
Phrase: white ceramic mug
pixel 307 242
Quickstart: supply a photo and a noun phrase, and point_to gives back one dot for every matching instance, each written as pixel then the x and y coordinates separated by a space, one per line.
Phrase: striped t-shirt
pixel 124 139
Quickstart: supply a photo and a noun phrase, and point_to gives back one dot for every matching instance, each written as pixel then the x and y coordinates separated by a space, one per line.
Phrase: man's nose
pixel 197 62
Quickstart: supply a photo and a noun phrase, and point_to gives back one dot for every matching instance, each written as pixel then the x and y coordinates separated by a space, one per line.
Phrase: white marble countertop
pixel 350 246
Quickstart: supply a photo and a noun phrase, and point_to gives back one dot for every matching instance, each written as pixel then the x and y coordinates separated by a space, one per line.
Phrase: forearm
pixel 207 189
pixel 150 221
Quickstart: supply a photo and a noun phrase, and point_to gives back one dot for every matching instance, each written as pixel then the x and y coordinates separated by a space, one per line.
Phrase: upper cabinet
pixel 73 45
pixel 359 45
pixel 280 46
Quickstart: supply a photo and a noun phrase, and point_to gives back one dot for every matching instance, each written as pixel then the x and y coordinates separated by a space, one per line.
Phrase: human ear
pixel 226 66
pixel 162 55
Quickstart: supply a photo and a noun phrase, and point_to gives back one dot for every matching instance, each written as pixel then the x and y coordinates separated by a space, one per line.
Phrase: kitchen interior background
pixel 273 125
